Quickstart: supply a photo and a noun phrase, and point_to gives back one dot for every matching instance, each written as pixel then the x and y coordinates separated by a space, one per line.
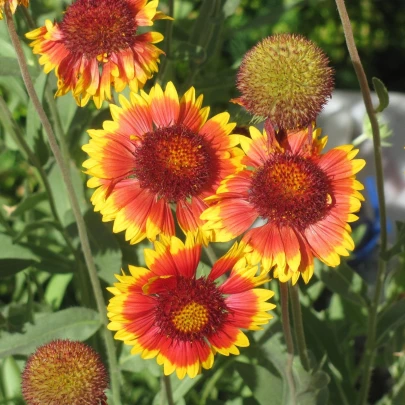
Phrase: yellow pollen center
pixel 180 155
pixel 191 318
pixel 289 179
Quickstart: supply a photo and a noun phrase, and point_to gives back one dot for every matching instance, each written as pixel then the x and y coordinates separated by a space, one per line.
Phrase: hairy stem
pixel 299 327
pixel 369 353
pixel 285 317
pixel 168 389
pixel 109 341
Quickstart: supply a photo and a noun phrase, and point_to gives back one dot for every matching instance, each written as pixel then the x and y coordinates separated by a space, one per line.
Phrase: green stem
pixel 168 389
pixel 212 257
pixel 369 353
pixel 167 44
pixel 285 317
pixel 299 327
pixel 10 122
pixel 81 226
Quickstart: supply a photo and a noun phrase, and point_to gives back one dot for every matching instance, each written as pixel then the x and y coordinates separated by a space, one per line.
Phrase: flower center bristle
pixel 193 310
pixel 174 162
pixel 97 28
pixel 191 318
pixel 291 190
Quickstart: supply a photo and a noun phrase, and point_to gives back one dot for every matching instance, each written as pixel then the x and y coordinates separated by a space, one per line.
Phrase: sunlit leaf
pixel 73 323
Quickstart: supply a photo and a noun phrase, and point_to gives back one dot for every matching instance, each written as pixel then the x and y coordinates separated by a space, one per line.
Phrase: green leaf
pixel 73 323
pixel 389 320
pixel 33 123
pixel 262 383
pixel 55 290
pixel 60 193
pixel 33 226
pixel 10 67
pixel 382 94
pixel 104 246
pixel 399 244
pixel 29 203
pixel 344 282
pixel 14 257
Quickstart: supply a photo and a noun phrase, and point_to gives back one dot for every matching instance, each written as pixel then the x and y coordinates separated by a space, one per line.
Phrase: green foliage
pixel 45 293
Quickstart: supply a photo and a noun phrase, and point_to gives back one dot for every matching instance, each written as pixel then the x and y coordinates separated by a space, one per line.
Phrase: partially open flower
pixel 97 45
pixel 12 4
pixel 167 312
pixel 64 372
pixel 286 79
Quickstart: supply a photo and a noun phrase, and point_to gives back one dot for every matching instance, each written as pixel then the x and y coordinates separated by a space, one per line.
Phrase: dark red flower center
pixel 97 28
pixel 291 190
pixel 174 162
pixel 193 310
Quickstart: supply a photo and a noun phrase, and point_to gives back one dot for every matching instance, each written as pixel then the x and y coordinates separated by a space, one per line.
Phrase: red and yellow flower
pixel 12 4
pixel 293 202
pixel 159 153
pixel 165 311
pixel 97 45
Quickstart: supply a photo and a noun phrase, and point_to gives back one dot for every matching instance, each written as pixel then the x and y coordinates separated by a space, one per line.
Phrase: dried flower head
pixel 286 79
pixel 64 372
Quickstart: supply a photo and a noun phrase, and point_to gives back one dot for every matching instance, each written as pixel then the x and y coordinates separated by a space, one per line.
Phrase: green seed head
pixel 64 372
pixel 285 78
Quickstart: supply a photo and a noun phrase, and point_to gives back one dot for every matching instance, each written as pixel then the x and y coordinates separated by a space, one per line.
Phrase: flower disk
pixel 174 162
pixel 96 28
pixel 64 372
pixel 12 4
pixel 160 153
pixel 168 313
pixel 97 45
pixel 290 190
pixel 286 79
pixel 304 200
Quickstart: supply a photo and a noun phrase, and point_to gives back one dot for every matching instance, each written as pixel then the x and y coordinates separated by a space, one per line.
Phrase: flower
pixel 12 4
pixel 64 372
pixel 168 313
pixel 302 198
pixel 286 79
pixel 157 153
pixel 97 44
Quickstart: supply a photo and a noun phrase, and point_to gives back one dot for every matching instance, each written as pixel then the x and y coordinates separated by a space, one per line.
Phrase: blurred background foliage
pixel 209 40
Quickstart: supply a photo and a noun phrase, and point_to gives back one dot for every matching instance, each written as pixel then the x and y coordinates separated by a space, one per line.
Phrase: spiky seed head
pixel 64 372
pixel 285 78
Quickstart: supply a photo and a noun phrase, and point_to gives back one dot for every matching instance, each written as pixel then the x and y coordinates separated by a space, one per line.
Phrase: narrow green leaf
pixel 345 282
pixel 9 67
pixel 33 124
pixel 29 203
pixel 104 246
pixel 73 323
pixel 382 94
pixel 389 320
pixel 14 257
pixel 33 226
pixel 399 245
pixel 262 383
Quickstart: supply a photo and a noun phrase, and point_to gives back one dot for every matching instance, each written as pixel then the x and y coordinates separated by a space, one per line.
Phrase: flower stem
pixel 168 388
pixel 109 341
pixel 369 353
pixel 285 317
pixel 299 327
